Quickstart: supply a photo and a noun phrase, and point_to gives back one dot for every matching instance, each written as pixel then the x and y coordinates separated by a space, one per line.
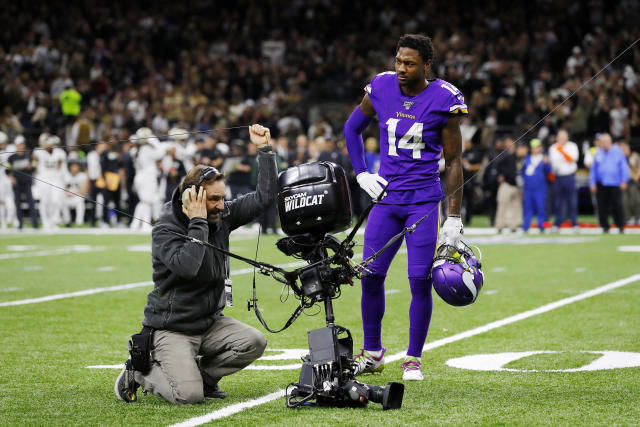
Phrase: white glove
pixel 372 183
pixel 451 231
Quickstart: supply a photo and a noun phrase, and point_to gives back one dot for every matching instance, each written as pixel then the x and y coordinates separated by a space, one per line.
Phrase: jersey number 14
pixel 412 140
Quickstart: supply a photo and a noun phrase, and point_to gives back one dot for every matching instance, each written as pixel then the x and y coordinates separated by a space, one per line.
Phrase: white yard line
pixel 238 407
pixel 60 251
pixel 230 410
pixel 628 248
pixel 77 294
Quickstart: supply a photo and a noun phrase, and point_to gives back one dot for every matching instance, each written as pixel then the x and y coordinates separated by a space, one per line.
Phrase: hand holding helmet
pixel 451 231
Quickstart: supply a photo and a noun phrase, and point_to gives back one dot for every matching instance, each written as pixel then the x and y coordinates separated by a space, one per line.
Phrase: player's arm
pixel 353 128
pixel 452 150
pixel 451 230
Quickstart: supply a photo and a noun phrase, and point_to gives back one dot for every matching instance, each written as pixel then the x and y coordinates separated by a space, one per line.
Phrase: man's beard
pixel 212 218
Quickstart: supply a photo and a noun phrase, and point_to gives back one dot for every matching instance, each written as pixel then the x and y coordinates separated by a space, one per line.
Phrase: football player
pixel 147 153
pixel 51 164
pixel 418 117
pixel 78 183
pixel 6 193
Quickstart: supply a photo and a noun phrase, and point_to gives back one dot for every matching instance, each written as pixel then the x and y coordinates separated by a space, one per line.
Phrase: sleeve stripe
pixel 462 107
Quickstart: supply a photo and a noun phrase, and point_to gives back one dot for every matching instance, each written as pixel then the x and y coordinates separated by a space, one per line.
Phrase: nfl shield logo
pixel 407 104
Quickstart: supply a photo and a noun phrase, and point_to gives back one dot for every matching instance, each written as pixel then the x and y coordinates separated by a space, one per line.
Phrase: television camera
pixel 315 200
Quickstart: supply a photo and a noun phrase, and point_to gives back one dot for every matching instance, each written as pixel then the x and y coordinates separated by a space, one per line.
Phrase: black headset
pixel 205 174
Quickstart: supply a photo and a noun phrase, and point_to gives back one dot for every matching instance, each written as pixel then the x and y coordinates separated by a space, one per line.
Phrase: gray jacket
pixel 188 293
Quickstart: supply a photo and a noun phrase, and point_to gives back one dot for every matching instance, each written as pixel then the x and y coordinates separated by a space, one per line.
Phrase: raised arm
pixel 245 208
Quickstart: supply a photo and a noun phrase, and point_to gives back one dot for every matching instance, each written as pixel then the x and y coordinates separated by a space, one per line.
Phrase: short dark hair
pixel 193 176
pixel 421 43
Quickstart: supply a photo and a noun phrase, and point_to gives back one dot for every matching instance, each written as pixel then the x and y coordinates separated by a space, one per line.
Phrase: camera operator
pixel 193 345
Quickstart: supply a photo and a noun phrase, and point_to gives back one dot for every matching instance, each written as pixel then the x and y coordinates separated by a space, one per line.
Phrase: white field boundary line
pixel 77 294
pixel 238 407
pixel 79 249
pixel 127 286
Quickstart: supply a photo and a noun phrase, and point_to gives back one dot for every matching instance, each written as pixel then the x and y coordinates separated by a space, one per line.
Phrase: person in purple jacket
pixel 534 174
pixel 419 119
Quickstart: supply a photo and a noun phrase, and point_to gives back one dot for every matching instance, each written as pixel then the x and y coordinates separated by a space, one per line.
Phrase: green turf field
pixel 46 346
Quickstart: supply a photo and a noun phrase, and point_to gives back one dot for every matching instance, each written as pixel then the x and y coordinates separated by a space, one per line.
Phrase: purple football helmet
pixel 457 274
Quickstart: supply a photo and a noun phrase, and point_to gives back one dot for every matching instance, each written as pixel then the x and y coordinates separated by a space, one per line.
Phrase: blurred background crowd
pixel 116 95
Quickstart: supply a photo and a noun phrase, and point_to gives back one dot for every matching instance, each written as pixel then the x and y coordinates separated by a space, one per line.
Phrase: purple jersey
pixel 410 135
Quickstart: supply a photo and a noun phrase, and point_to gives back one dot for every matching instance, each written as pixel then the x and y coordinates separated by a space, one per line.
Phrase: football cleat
pixel 366 363
pixel 412 369
pixel 457 274
pixel 126 385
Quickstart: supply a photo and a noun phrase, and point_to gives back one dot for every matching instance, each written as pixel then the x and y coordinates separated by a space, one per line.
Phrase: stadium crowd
pixel 122 99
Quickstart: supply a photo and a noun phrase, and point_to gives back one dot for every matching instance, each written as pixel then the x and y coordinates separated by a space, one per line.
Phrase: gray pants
pixel 176 373
pixel 509 211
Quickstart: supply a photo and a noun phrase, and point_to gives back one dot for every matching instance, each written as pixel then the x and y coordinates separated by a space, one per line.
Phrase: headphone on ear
pixel 205 174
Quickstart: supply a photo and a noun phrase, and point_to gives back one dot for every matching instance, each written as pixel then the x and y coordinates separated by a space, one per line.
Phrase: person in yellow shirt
pixel 70 103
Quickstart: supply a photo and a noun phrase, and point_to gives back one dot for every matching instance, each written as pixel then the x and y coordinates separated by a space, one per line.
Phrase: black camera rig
pixel 327 374
pixel 314 200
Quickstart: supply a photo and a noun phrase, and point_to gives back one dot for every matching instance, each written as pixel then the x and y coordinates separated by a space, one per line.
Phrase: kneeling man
pixel 193 345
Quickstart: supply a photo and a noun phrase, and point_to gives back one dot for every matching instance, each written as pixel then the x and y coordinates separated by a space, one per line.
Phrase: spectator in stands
pixel 563 156
pixel 608 178
pixel 330 153
pixel 82 132
pixel 70 103
pixel 619 120
pixel 282 149
pixel 209 155
pixel 301 154
pixel 238 170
